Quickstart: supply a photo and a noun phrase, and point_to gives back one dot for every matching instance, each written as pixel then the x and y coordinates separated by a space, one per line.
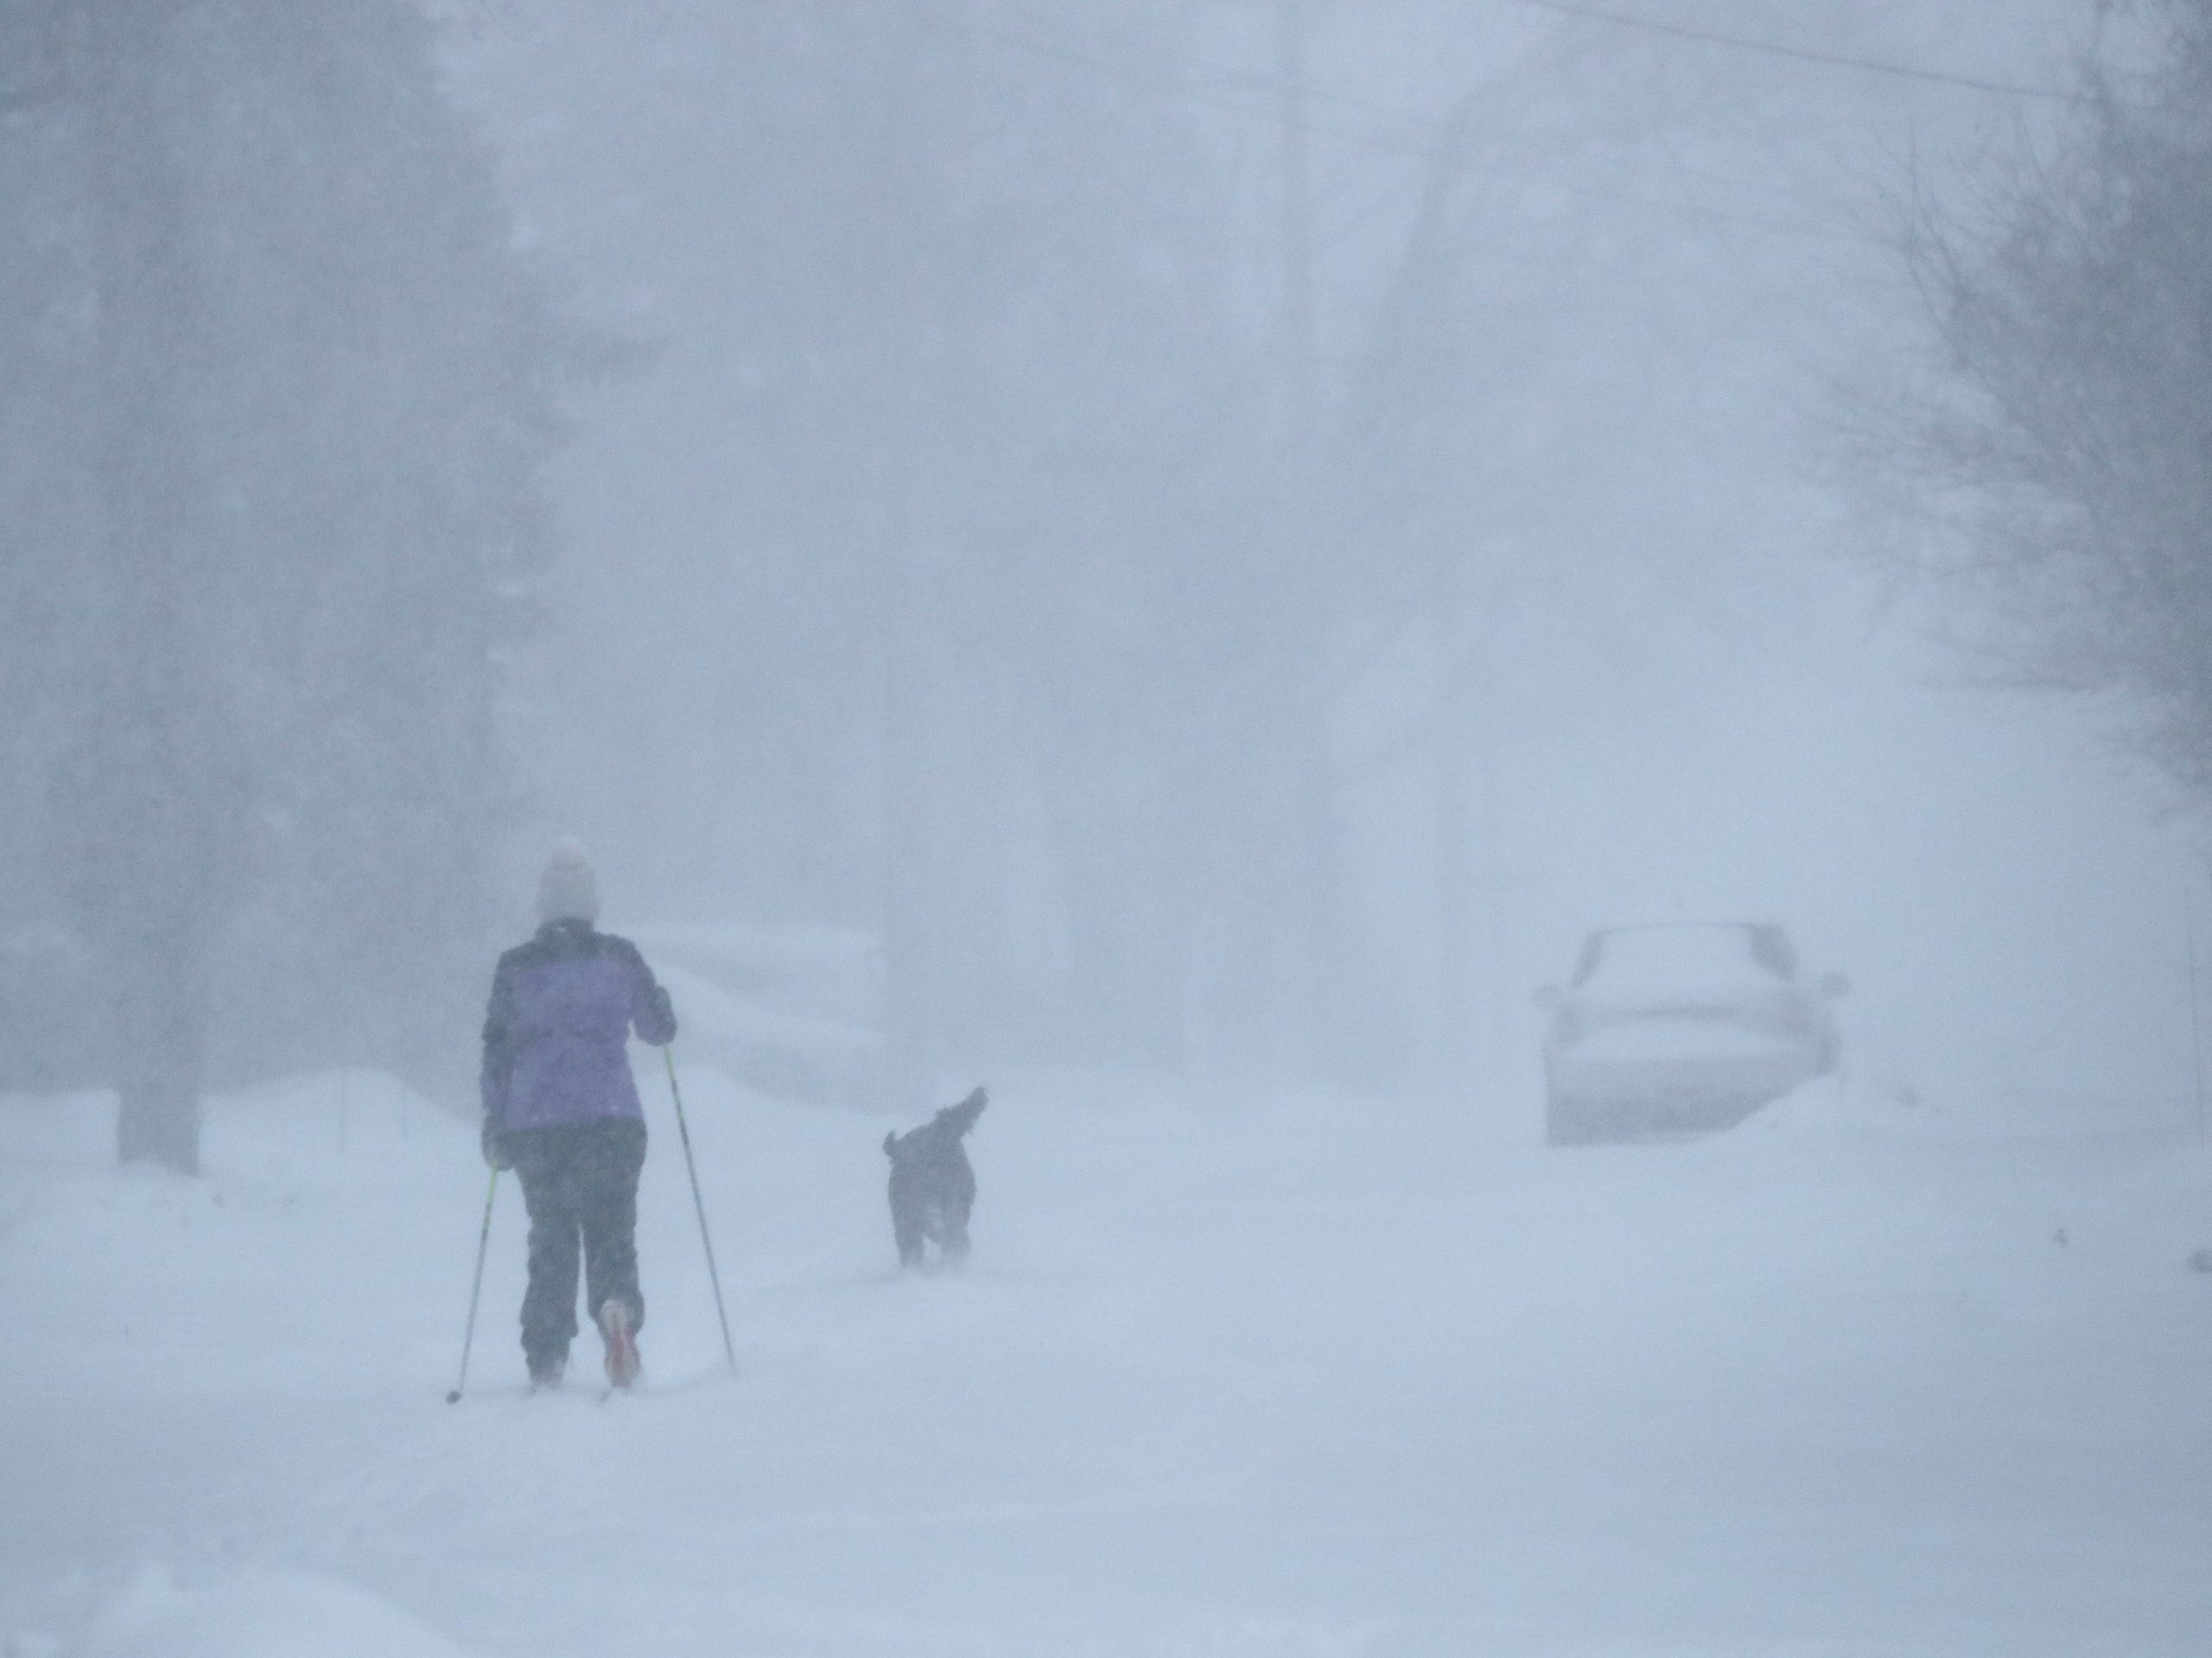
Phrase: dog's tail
pixel 891 1143
pixel 962 1117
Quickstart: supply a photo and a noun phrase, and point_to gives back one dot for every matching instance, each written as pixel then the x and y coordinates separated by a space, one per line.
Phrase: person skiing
pixel 562 1110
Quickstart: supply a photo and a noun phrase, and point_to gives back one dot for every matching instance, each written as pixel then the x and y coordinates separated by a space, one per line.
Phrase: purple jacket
pixel 555 1036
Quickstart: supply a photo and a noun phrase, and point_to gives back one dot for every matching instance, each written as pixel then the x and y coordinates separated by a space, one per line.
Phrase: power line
pixel 1801 54
pixel 1211 87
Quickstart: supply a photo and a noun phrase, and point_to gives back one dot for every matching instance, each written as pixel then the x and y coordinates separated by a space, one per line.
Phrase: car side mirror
pixel 1834 985
pixel 1549 997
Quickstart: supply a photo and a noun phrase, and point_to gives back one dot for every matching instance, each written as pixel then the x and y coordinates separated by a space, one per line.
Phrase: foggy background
pixel 1216 537
pixel 1171 559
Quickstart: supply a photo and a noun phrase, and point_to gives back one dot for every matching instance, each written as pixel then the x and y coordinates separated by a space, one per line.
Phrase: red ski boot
pixel 622 1362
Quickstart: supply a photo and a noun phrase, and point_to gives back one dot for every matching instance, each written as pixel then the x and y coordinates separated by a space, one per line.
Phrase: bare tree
pixel 2055 467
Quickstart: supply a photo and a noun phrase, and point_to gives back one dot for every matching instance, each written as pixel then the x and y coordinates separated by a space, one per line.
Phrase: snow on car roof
pixel 1693 957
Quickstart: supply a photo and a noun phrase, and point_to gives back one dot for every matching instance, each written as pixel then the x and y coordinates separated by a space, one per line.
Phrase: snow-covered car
pixel 1682 1026
pixel 791 1011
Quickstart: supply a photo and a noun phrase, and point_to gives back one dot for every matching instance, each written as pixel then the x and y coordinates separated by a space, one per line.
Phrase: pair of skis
pixel 624 1368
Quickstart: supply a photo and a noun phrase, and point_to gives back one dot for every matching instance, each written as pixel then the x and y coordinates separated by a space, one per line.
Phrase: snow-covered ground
pixel 1231 1377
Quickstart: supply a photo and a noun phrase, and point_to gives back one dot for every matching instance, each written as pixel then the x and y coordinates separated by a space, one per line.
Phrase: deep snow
pixel 1242 1376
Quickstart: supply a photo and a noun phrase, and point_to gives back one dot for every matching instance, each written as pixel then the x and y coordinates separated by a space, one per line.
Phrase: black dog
pixel 932 1187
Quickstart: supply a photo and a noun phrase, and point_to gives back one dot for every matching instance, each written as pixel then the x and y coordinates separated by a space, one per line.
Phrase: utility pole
pixel 1456 606
pixel 1319 947
pixel 2195 1017
pixel 898 525
pixel 1292 27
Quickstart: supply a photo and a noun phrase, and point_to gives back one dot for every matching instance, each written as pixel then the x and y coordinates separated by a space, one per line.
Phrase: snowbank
pixel 258 1614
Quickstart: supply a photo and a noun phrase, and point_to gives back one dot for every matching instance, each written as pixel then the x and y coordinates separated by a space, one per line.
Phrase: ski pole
pixel 699 1203
pixel 476 1288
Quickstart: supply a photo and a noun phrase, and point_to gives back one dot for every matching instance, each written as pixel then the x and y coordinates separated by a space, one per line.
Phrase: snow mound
pixel 258 1614
pixel 714 1016
pixel 1828 1110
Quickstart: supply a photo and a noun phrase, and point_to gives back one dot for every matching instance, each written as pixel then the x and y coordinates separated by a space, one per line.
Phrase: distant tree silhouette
pixel 314 387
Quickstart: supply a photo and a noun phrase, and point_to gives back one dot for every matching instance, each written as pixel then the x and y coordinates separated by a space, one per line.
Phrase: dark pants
pixel 580 1181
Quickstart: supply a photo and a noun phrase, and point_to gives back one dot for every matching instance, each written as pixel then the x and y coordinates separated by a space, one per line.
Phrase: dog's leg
pixel 908 1228
pixel 953 1239
pixel 959 1198
pixel 909 1238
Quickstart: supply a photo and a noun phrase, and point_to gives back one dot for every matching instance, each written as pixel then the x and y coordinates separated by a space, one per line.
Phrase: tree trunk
pixel 160 1023
pixel 1469 885
pixel 147 806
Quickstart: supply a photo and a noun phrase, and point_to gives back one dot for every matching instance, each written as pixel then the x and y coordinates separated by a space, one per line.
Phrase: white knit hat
pixel 567 888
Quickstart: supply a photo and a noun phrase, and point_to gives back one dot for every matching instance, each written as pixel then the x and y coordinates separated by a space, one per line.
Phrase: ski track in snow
pixel 1256 1377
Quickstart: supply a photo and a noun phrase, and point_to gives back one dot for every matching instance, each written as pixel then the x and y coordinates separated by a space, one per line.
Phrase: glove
pixel 493 1141
pixel 664 1007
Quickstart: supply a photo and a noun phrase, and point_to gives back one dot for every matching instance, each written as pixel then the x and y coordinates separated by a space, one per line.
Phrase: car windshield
pixel 1705 958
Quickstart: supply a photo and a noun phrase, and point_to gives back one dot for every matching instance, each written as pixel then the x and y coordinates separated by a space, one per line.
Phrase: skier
pixel 561 1109
pixel 932 1186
